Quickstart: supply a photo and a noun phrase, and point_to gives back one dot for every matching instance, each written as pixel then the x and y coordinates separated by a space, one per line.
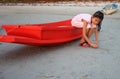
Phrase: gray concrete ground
pixel 67 61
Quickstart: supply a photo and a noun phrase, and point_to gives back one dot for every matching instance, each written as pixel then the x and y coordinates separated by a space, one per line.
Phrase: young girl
pixel 90 24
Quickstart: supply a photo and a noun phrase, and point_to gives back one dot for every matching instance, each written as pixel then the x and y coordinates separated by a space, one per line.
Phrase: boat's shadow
pixel 24 52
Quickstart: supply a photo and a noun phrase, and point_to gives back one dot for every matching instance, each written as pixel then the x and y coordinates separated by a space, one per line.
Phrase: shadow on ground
pixel 22 51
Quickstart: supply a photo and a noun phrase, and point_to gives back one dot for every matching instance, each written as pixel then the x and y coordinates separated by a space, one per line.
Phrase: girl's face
pixel 96 20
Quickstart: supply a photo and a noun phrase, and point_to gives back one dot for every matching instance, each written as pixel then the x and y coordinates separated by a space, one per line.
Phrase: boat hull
pixel 110 9
pixel 41 34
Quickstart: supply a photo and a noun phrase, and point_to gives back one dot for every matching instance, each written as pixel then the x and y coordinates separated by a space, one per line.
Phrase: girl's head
pixel 97 17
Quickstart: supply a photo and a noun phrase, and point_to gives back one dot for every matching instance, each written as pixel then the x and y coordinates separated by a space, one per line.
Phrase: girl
pixel 90 24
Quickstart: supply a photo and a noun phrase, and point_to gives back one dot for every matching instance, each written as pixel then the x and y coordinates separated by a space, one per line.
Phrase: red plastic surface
pixel 41 34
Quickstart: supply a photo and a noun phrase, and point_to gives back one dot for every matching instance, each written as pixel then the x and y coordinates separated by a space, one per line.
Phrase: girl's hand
pixel 94 45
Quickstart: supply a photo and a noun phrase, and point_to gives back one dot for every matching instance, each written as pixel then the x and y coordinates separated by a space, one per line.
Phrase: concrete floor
pixel 66 61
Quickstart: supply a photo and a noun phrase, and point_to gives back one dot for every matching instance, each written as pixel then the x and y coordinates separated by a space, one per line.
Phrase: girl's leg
pixel 89 33
pixel 82 39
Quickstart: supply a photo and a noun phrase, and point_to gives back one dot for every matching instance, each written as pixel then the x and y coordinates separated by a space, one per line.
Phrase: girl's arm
pixel 96 35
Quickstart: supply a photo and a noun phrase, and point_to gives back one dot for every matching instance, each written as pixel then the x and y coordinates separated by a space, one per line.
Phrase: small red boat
pixel 41 34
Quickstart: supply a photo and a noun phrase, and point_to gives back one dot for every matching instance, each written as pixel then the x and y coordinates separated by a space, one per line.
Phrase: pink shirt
pixel 77 21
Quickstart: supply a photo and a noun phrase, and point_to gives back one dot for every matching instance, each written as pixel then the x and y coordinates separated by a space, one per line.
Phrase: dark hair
pixel 99 15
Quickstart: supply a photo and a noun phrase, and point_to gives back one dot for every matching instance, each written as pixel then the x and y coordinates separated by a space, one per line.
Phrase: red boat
pixel 41 34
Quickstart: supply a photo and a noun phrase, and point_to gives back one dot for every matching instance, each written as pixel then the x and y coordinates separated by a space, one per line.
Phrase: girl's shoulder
pixel 84 15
